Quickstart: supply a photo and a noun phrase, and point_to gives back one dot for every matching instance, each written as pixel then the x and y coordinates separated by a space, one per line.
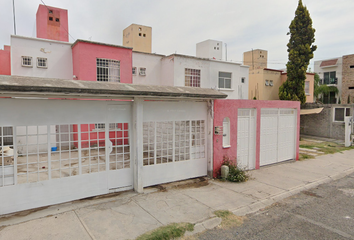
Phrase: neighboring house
pixel 264 82
pixel 209 49
pixel 181 70
pixel 138 37
pixel 348 79
pixel 5 61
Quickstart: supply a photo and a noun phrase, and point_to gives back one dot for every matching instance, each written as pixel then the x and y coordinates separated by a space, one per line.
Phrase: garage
pixel 278 135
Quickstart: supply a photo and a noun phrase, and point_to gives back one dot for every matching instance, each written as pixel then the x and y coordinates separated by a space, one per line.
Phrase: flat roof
pixel 14 86
pixel 98 43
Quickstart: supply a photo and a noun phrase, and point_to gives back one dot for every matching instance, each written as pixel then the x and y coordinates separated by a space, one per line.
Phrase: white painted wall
pixel 58 54
pixel 152 63
pixel 338 69
pixel 167 71
pixel 209 49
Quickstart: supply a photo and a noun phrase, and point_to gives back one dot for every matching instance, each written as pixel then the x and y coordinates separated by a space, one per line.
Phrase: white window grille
pixel 142 71
pixel 27 61
pixel 42 62
pixel 226 132
pixel 271 83
pixel 267 82
pixel 134 70
pixel 108 70
pixel 192 77
pixel 102 126
pixel 340 114
pixel 307 87
pixel 224 80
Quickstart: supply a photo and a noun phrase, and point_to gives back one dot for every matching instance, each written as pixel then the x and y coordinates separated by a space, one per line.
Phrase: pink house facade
pixel 284 112
pixel 5 61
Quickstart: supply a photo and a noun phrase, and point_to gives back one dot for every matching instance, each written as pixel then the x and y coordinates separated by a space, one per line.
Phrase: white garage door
pixel 174 141
pixel 246 138
pixel 278 135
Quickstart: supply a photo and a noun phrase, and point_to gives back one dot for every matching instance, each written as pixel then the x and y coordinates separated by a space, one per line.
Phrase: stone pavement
pixel 128 215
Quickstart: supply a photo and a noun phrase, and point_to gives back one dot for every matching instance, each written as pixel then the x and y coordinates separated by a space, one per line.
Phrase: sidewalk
pixel 128 215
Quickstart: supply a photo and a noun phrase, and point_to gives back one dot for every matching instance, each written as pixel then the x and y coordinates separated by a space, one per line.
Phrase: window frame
pixel 226 138
pixel 194 76
pixel 134 71
pixel 102 127
pixel 344 114
pixel 308 88
pixel 243 79
pixel 224 79
pixel 110 68
pixel 142 71
pixel 46 62
pixel 26 65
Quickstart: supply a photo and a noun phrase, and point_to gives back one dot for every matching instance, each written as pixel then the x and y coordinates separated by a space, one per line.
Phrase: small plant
pixel 236 174
pixel 172 231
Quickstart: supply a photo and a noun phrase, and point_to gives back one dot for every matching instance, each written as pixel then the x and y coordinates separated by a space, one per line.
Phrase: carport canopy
pixel 22 86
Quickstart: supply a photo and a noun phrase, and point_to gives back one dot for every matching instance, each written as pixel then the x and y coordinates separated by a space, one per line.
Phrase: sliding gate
pixel 62 150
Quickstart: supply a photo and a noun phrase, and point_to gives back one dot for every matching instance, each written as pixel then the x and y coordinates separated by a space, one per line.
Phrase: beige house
pixel 264 82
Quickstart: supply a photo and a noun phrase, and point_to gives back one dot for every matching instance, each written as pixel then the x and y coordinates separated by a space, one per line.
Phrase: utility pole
pixel 225 52
pixel 13 8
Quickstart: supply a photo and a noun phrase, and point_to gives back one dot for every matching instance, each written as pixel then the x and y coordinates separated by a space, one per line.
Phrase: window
pixel 351 66
pixel 226 132
pixel 26 61
pixel 140 34
pixel 57 19
pixel 50 11
pixel 134 71
pixel 191 77
pixel 41 62
pixel 108 70
pixel 267 82
pixel 307 87
pixel 102 126
pixel 329 78
pixel 340 113
pixel 224 80
pixel 243 80
pixel 271 83
pixel 50 18
pixel 144 35
pixel 142 71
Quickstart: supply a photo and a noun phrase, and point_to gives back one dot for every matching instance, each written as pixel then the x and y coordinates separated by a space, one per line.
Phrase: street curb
pixel 205 225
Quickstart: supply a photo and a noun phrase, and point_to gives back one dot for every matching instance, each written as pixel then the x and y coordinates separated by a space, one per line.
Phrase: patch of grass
pixel 325 147
pixel 306 146
pixel 172 231
pixel 229 219
pixel 303 156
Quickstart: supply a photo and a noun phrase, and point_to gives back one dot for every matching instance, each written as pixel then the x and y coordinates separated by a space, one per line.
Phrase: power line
pixel 62 26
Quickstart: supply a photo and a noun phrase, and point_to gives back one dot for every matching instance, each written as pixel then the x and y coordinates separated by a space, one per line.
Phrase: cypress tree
pixel 300 49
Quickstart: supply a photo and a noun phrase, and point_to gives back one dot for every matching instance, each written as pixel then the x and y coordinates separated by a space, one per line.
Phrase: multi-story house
pixel 264 82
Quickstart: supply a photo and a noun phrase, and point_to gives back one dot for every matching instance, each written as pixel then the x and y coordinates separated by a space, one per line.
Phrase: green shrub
pixel 236 174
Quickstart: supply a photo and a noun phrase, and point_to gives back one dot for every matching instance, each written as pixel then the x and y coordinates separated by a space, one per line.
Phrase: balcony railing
pixel 329 81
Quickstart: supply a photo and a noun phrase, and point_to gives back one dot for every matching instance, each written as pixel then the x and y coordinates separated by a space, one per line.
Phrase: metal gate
pixel 246 138
pixel 62 150
pixel 278 135
pixel 174 141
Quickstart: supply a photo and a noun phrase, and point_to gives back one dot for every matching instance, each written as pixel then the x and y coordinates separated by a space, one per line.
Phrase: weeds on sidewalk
pixel 229 219
pixel 304 156
pixel 325 147
pixel 236 174
pixel 172 231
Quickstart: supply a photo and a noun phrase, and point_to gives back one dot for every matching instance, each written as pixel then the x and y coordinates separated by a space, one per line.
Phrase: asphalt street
pixel 324 212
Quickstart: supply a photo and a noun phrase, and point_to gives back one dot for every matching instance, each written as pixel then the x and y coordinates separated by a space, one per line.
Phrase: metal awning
pixel 310 111
pixel 20 86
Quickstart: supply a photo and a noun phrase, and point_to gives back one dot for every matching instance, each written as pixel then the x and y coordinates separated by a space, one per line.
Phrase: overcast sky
pixel 178 25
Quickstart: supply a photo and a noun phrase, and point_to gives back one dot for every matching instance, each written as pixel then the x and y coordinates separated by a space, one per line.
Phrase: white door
pixel 246 138
pixel 174 141
pixel 278 135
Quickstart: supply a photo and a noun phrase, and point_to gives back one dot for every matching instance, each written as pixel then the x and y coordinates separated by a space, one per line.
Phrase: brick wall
pixel 348 79
pixel 322 124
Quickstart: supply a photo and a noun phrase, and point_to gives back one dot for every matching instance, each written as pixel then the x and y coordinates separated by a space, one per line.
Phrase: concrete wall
pixel 138 37
pixel 256 59
pixel 322 124
pixel 348 79
pixel 5 61
pixel 211 49
pixel 152 63
pixel 55 29
pixel 58 54
pixel 229 108
pixel 257 87
pixel 86 53
pixel 167 71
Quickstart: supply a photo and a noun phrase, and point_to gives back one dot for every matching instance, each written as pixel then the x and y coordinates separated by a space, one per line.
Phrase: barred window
pixel 42 62
pixel 108 70
pixel 26 61
pixel 142 71
pixel 192 77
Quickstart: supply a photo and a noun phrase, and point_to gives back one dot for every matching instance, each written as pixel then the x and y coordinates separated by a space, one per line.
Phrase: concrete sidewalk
pixel 129 215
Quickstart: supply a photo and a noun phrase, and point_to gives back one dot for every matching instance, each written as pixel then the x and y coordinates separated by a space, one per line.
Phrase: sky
pixel 178 25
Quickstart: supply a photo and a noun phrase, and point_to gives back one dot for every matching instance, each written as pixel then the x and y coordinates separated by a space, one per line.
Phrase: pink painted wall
pixel 5 61
pixel 84 60
pixel 53 25
pixel 229 108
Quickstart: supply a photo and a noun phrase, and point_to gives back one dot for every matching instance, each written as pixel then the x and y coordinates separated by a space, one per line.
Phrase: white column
pixel 137 144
